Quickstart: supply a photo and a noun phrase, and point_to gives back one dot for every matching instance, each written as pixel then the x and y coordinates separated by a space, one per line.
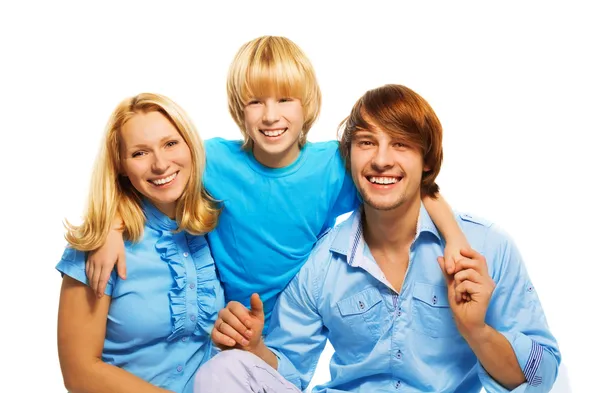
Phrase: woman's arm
pixel 81 331
pixel 443 218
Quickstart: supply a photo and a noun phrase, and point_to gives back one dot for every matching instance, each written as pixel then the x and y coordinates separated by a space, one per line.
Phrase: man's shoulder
pixel 481 232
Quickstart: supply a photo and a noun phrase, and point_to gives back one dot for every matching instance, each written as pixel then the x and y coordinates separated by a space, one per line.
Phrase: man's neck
pixel 392 229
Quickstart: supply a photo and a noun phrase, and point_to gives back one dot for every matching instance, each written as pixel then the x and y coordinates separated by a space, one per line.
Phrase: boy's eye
pixel 286 99
pixel 365 143
pixel 399 144
pixel 253 102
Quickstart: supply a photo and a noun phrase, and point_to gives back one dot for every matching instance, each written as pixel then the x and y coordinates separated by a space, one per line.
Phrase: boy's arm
pixel 81 333
pixel 100 262
pixel 442 216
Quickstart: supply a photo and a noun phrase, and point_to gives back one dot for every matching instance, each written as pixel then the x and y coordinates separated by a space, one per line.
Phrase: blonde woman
pixel 152 331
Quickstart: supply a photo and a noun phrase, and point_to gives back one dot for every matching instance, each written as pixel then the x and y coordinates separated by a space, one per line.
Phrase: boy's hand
pixel 469 291
pixel 452 254
pixel 100 262
pixel 240 327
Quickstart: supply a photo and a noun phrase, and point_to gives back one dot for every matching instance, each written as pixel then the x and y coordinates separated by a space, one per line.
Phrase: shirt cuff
pixel 529 354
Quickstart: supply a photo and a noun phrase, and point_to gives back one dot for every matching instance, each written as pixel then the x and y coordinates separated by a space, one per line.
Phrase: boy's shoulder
pixel 326 148
pixel 221 144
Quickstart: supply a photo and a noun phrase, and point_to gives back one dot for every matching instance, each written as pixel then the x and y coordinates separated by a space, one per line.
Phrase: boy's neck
pixel 280 160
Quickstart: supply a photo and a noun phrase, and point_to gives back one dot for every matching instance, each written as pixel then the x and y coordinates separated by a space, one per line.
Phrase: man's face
pixel 386 171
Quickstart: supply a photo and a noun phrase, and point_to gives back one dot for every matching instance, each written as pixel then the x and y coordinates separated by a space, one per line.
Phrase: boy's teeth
pixel 165 180
pixel 383 180
pixel 273 132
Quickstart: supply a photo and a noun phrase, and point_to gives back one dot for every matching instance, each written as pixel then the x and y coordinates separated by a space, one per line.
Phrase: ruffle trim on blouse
pixel 207 289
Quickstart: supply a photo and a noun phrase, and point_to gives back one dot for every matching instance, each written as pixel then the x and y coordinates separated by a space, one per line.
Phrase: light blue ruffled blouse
pixel 161 316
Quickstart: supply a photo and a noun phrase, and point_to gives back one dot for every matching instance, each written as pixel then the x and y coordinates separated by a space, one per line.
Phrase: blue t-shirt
pixel 272 217
pixel 161 317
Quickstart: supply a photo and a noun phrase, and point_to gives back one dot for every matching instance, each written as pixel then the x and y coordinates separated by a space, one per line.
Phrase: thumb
pixel 121 267
pixel 443 265
pixel 256 306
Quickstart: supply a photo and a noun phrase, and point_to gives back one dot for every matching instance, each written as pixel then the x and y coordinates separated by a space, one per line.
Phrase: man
pixel 397 320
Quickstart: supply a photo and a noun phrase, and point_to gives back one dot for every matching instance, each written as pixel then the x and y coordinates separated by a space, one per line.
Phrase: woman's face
pixel 156 159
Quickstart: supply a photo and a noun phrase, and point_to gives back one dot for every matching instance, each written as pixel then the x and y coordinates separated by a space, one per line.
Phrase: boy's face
pixel 274 124
pixel 386 171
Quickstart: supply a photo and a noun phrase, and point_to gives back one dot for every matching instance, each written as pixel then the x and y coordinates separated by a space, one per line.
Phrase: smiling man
pixel 374 286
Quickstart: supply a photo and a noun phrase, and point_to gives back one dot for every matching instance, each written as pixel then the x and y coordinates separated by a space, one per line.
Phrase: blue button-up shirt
pixel 386 341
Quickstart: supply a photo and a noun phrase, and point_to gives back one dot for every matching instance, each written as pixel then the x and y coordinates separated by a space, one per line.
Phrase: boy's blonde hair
pixel 111 194
pixel 268 66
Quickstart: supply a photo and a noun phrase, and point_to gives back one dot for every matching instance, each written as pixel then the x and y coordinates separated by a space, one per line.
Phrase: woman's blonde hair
pixel 269 66
pixel 111 194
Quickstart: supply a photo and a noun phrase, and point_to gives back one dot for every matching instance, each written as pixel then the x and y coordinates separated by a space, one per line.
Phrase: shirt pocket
pixel 362 312
pixel 431 313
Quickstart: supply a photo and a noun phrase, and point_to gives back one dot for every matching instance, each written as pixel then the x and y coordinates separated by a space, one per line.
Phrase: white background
pixel 514 84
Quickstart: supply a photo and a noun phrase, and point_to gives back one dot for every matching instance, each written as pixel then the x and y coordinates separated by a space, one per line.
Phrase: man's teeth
pixel 383 180
pixel 165 180
pixel 273 132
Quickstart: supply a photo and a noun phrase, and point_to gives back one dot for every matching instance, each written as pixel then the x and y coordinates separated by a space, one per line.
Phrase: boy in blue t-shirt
pixel 279 193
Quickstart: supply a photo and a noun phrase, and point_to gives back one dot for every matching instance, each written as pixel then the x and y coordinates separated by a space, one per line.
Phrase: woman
pixel 152 331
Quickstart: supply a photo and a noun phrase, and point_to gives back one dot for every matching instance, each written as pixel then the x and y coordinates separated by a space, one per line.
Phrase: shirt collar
pixel 157 219
pixel 349 238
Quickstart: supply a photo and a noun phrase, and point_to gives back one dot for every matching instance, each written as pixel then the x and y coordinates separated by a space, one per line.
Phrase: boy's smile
pixel 274 124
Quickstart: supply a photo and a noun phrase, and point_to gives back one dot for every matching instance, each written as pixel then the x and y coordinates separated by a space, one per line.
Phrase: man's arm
pixel 502 321
pixel 81 331
pixel 296 335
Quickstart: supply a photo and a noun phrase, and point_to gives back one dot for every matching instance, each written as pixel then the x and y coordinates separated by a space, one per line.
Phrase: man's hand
pixel 469 291
pixel 100 262
pixel 240 327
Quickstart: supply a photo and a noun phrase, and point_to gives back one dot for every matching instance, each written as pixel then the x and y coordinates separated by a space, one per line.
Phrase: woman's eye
pixel 171 143
pixel 138 154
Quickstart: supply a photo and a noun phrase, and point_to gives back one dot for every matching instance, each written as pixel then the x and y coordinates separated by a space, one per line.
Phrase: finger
pixel 473 254
pixel 468 288
pixel 467 274
pixel 221 339
pixel 467 263
pixel 256 306
pixel 121 266
pixel 103 282
pixel 442 264
pixel 235 317
pixel 225 329
pixel 89 271
pixel 450 265
pixel 96 279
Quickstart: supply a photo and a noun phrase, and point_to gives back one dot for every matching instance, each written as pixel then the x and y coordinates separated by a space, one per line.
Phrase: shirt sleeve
pixel 72 264
pixel 296 334
pixel 516 312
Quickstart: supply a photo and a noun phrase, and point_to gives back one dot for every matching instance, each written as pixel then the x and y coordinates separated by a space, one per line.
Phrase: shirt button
pixel 192 286
pixel 434 299
pixel 397 385
pixel 184 339
pixel 179 368
pixel 399 313
pixel 185 254
pixel 192 318
pixel 361 304
pixel 399 354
